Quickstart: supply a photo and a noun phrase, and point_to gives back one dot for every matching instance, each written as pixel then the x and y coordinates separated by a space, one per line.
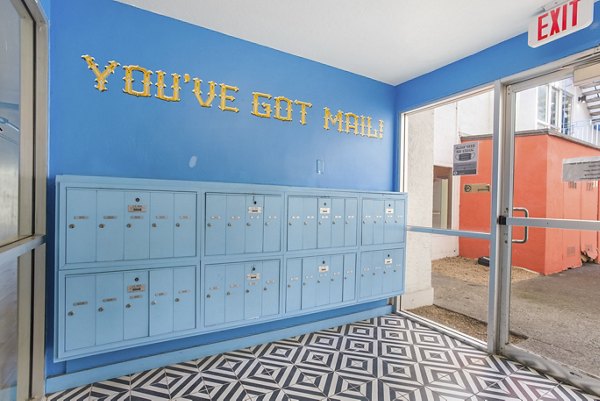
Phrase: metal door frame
pixel 502 248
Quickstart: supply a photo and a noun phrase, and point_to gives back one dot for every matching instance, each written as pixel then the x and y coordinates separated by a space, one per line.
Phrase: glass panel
pixel 557 313
pixel 440 197
pixel 10 112
pixel 8 331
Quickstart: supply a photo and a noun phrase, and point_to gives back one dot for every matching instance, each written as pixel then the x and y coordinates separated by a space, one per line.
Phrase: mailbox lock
pixel 332 279
pixel 71 313
pixel 128 306
pixel 347 222
pixel 306 223
pixel 136 279
pixel 265 288
pixel 137 199
pixel 290 223
pixel 228 293
pixel 248 224
pixel 101 225
pixel 71 226
pixel 320 223
pixel 153 303
pixel 209 225
pixel 266 223
pixel 318 281
pixel 373 273
pixel 128 225
pixel 304 283
pixel 253 268
pixel 154 225
pixel 333 222
pixel 208 296
pixel 177 299
pixel 247 291
pixel 289 286
pixel 177 225
pixel 228 224
pixel 100 309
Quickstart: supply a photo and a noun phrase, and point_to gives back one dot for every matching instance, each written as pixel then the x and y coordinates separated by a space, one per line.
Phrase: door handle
pixel 526 232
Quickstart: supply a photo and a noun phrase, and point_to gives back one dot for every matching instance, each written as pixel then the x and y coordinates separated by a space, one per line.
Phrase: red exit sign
pixel 560 19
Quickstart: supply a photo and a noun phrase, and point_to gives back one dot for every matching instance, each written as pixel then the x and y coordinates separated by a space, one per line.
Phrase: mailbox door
pixel 309 282
pixel 295 223
pixel 336 279
pixel 337 222
pixel 391 232
pixel 137 225
pixel 161 301
pixel 234 237
pixel 394 282
pixel 80 322
pixel 214 295
pixel 109 220
pixel 378 221
pixel 324 216
pixel 253 290
pixel 349 276
pixel 216 220
pixel 378 263
pixel 365 283
pixel 135 321
pixel 309 232
pixel 270 282
pixel 234 292
pixel 323 273
pixel 293 295
pixel 161 225
pixel 272 224
pixel 109 308
pixel 254 223
pixel 368 215
pixel 184 243
pixel 350 221
pixel 400 218
pixel 184 302
pixel 81 225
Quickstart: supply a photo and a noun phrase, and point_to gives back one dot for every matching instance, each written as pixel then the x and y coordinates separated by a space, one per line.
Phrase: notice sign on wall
pixel 465 158
pixel 581 169
pixel 560 20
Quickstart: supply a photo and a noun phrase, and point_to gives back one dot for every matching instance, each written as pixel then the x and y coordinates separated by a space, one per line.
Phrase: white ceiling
pixel 388 40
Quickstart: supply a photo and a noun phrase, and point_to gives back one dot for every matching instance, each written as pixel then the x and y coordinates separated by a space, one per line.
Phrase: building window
pixel 554 106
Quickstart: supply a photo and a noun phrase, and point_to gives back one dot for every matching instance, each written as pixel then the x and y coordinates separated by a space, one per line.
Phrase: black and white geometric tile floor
pixel 381 359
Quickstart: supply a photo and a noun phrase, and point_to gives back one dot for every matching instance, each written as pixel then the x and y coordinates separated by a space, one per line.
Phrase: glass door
pixel 550 224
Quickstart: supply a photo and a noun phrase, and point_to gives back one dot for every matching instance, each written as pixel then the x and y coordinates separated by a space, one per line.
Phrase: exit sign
pixel 560 19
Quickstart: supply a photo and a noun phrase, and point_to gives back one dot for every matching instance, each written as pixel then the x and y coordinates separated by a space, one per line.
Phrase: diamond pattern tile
pixel 389 358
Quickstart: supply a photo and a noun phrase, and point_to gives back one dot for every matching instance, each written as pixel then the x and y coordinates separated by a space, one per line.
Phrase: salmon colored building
pixel 538 186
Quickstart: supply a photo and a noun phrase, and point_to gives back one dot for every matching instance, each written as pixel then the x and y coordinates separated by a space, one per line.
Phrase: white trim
pixel 444 231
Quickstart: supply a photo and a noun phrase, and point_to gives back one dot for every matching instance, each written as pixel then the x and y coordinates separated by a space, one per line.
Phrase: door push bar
pixel 526 232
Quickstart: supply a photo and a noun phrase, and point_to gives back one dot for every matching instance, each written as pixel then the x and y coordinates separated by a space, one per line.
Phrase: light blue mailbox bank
pixel 141 261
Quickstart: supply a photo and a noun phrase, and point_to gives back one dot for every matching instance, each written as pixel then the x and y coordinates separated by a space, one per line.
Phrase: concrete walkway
pixel 560 314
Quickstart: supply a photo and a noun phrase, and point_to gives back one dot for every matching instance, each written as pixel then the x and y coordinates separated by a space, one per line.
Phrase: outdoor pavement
pixel 560 314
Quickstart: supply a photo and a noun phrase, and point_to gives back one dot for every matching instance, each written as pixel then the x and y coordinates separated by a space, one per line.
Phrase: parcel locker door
pixel 216 220
pixel 184 243
pixel 109 220
pixel 253 290
pixel 309 228
pixel 214 295
pixel 137 225
pixel 81 225
pixel 368 215
pixel 351 211
pixel 336 279
pixel 234 292
pixel 400 218
pixel 184 301
pixel 391 231
pixel 365 283
pixel 254 223
pixel 323 272
pixel 272 219
pixel 234 237
pixel 337 222
pixel 378 221
pixel 309 282
pixel 161 225
pixel 349 276
pixel 295 225
pixel 293 294
pixel 324 218
pixel 161 301
pixel 378 264
pixel 80 322
pixel 135 322
pixel 109 308
pixel 270 282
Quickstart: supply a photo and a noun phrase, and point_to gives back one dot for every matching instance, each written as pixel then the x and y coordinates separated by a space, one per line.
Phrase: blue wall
pixel 115 134
pixel 499 61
